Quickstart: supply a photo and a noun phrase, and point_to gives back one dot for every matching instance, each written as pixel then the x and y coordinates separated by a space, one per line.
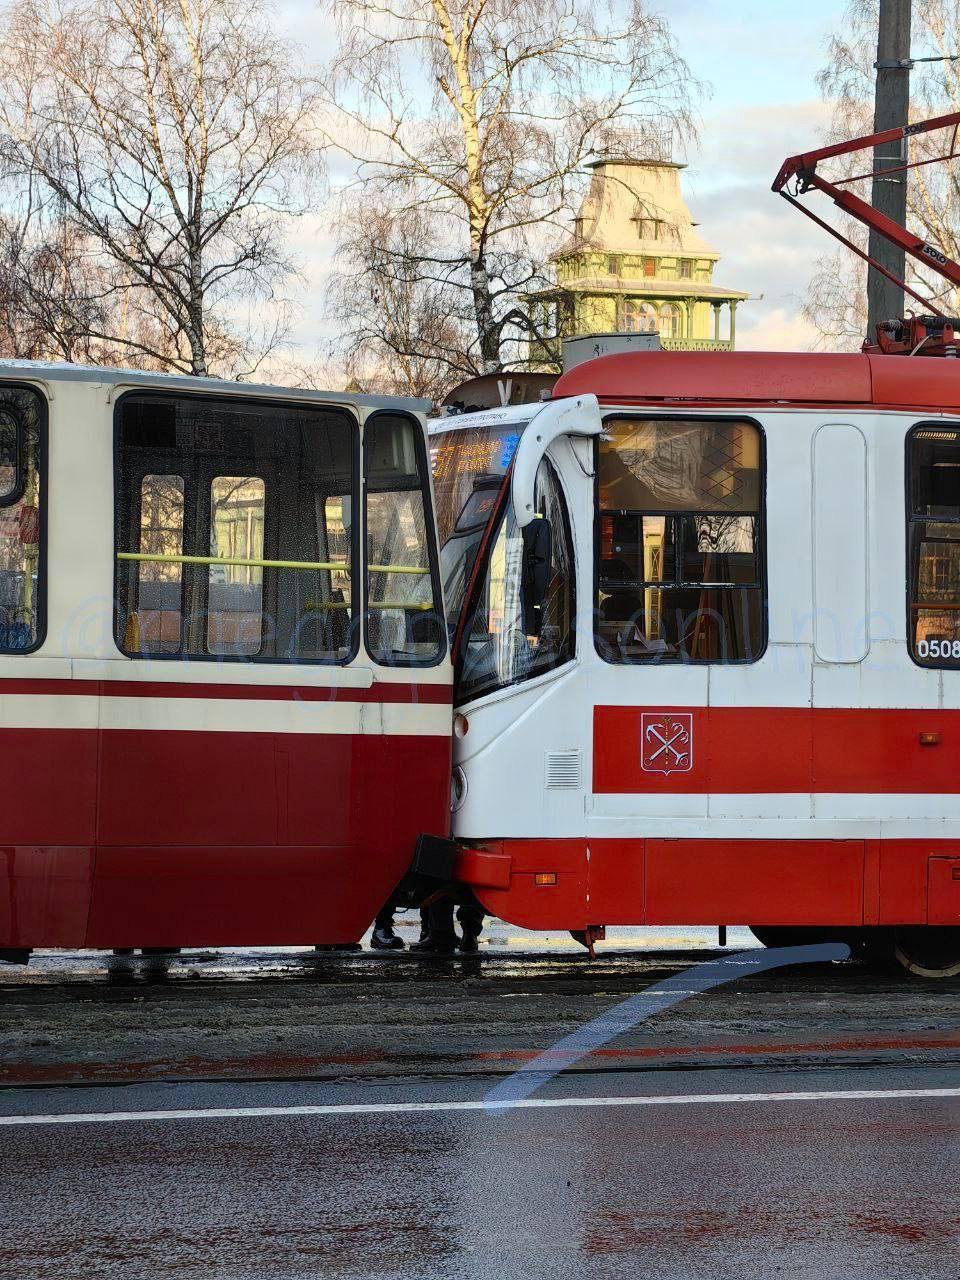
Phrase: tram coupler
pixel 431 870
pixel 14 955
pixel 588 936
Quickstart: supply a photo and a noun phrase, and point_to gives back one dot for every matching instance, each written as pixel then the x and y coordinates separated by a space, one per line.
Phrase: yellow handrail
pixel 378 605
pixel 243 563
pixel 238 561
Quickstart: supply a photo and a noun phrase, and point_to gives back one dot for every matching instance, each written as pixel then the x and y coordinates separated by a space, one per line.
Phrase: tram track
pixel 435 1072
pixel 483 1019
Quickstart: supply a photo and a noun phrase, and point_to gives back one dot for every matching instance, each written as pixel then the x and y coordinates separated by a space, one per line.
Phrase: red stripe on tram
pixel 406 692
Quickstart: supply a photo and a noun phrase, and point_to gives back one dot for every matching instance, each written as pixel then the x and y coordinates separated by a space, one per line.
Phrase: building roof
pixel 61 371
pixel 645 287
pixel 768 377
pixel 624 193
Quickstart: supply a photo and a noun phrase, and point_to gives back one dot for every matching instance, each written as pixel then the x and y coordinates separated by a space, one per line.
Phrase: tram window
pixel 719 549
pixel 680 541
pixel 233 529
pixel 505 642
pixel 160 579
pixel 934 546
pixel 404 625
pixel 235 587
pixel 22 499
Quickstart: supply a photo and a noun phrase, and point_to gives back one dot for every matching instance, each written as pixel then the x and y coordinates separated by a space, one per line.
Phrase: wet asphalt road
pixel 831 1187
pixel 852 1189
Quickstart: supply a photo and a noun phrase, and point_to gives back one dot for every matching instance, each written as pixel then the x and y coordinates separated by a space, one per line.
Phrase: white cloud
pixel 767 247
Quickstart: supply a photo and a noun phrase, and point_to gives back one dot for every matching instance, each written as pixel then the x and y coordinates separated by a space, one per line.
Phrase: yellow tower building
pixel 635 263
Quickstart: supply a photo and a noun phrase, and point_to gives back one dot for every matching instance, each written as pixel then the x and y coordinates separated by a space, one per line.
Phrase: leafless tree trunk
pixel 475 118
pixel 175 135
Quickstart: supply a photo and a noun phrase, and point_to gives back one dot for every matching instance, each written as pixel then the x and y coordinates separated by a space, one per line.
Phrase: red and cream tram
pixel 708 647
pixel 225 695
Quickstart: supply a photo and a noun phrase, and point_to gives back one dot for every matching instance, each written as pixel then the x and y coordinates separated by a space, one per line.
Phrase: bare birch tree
pixel 475 118
pixel 836 301
pixel 175 135
pixel 403 335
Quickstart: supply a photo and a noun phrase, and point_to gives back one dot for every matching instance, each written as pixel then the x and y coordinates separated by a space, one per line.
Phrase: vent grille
pixel 563 770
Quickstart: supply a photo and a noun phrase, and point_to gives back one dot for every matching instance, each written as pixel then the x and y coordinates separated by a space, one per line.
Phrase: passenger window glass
pixel 9 460
pixel 22 554
pixel 233 526
pixel 680 541
pixel 404 625
pixel 719 549
pixel 506 642
pixel 638 548
pixel 160 586
pixel 934 587
pixel 235 589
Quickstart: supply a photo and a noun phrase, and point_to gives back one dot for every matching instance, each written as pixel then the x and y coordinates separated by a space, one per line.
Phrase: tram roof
pixel 768 378
pixel 61 371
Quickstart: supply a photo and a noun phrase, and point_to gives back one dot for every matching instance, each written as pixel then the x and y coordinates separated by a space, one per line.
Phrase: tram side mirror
pixel 536 571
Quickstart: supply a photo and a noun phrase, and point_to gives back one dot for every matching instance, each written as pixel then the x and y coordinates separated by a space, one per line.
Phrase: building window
pixel 22 515
pixel 233 529
pixel 649 228
pixel 614 265
pixel 671 318
pixel 686 269
pixel 933 625
pixel 639 317
pixel 680 532
pixel 649 267
pixel 404 624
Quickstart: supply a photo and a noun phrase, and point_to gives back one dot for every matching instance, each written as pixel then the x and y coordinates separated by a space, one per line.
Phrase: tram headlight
pixel 458 789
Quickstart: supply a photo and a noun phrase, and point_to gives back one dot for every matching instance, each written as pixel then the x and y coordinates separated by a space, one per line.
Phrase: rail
pixel 243 562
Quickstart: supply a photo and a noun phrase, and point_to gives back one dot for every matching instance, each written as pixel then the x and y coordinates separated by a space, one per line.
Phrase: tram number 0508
pixel 939 649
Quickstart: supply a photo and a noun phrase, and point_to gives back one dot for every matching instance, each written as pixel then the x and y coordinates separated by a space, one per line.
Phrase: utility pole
pixel 891 109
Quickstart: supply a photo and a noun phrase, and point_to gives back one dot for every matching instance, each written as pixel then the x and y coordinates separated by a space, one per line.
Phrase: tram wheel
pixel 929 951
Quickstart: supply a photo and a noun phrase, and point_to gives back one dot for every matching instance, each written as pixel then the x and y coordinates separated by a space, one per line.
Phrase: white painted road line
pixel 525 1104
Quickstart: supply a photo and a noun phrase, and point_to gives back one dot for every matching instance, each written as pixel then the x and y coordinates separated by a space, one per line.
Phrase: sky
pixel 761 59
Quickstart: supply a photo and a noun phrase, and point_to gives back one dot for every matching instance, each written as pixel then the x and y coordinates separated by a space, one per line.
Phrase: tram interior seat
pixel 235 623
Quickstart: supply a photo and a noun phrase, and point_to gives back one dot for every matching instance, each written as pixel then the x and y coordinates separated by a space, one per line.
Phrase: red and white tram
pixel 733 693
pixel 224 684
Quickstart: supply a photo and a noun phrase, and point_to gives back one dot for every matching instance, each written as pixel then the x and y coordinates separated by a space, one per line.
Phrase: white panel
pixel 886 448
pixel 888 678
pixel 638 806
pixel 887 806
pixel 788 516
pixel 840 577
pixel 791 804
pixel 780 679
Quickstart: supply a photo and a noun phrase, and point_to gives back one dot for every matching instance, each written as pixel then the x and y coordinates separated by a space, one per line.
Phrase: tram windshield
pixel 470 465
